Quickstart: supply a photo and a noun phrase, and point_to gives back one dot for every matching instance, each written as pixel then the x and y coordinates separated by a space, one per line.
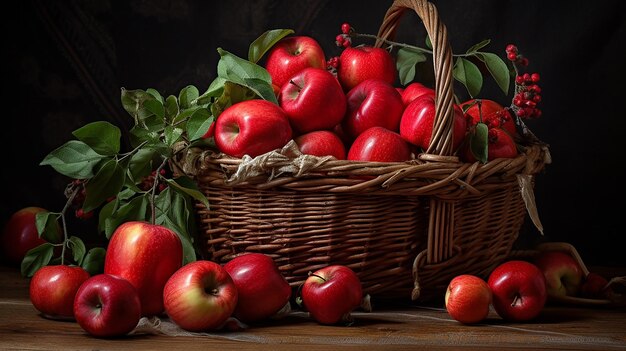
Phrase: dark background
pixel 65 62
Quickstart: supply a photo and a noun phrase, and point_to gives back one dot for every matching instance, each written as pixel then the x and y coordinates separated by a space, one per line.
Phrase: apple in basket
pixel 372 103
pixel 415 90
pixel 358 64
pixel 263 290
pixel 321 143
pixel 519 290
pixel 53 288
pixel 146 255
pixel 331 293
pixel 468 298
pixel 107 306
pixel 489 112
pixel 200 296
pixel 500 145
pixel 379 144
pixel 291 55
pixel 418 118
pixel 313 100
pixel 252 127
pixel 564 276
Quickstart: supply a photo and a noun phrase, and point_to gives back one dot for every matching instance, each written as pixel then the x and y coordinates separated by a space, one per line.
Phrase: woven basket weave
pixel 405 228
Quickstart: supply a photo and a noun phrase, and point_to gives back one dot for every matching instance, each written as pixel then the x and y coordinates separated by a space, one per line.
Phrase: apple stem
pixel 296 84
pixel 318 276
pixel 516 300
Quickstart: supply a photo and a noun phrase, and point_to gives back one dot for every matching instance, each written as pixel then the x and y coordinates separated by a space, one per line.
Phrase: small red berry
pixel 524 61
pixel 512 56
pixel 339 39
pixel 345 28
pixel 511 48
pixel 535 77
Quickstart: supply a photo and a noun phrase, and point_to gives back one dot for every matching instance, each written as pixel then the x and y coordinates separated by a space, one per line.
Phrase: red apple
pixel 594 286
pixel 331 293
pixel 252 127
pixel 20 235
pixel 321 143
pixel 564 276
pixel 107 306
pixel 499 145
pixel 263 291
pixel 313 100
pixel 415 90
pixel 416 125
pixel 291 55
pixel 53 288
pixel 372 103
pixel 146 255
pixel 200 296
pixel 379 144
pixel 489 112
pixel 358 64
pixel 519 290
pixel 468 298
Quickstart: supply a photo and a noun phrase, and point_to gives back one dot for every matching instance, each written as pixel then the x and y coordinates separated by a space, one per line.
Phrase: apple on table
pixel 331 293
pixel 53 288
pixel 263 290
pixel 468 298
pixel 146 255
pixel 564 276
pixel 200 296
pixel 519 290
pixel 107 306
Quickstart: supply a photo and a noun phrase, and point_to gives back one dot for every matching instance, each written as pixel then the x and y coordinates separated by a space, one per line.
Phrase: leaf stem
pixel 126 154
pixel 155 186
pixel 404 45
pixel 70 199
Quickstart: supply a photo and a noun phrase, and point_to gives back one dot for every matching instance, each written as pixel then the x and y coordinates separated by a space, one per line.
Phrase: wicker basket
pixel 405 228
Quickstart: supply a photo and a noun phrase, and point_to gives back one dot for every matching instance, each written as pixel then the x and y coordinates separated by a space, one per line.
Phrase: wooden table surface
pixel 388 327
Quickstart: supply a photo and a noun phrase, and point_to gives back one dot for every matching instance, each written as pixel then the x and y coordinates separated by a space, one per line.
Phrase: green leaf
pixel 74 159
pixel 141 162
pixel 76 245
pixel 94 261
pixel 106 183
pixel 189 187
pixel 236 69
pixel 478 46
pixel 479 142
pixel 187 96
pixel 469 75
pixel 231 94
pixel 261 88
pixel 155 94
pixel 103 137
pixel 36 258
pixel 172 135
pixel 171 107
pixel 135 209
pixel 48 226
pixel 133 102
pixel 405 63
pixel 106 212
pixel 199 124
pixel 264 42
pixel 215 90
pixel 428 43
pixel 155 107
pixel 171 213
pixel 498 69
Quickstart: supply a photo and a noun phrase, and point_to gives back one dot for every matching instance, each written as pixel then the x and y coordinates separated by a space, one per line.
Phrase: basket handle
pixel 442 136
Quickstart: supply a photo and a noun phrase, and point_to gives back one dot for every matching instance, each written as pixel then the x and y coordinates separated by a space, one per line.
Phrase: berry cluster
pixel 148 182
pixel 332 63
pixel 344 39
pixel 77 186
pixel 527 91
